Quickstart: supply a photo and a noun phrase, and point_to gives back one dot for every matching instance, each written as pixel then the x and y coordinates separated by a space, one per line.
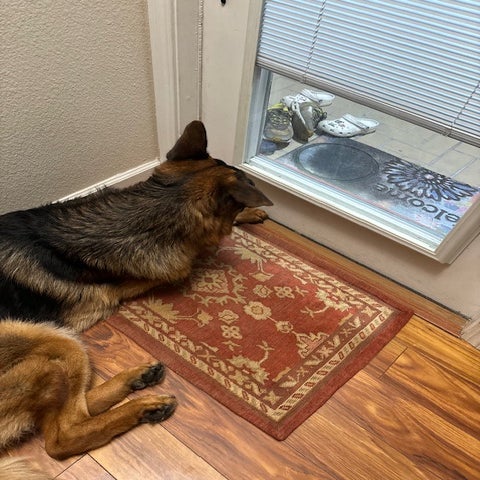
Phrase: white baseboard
pixel 124 179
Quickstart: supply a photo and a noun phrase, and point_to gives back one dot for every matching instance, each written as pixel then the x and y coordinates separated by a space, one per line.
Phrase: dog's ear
pixel 191 145
pixel 245 192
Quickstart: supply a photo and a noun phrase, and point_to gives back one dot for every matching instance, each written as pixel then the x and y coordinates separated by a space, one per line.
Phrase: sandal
pixel 348 126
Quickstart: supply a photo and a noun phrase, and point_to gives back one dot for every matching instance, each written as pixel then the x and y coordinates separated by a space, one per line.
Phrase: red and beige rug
pixel 265 328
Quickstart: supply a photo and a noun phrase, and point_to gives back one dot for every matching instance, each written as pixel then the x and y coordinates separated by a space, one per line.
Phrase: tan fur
pixel 45 384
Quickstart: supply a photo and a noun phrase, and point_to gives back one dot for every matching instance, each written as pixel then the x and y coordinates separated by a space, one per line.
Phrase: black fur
pixel 67 262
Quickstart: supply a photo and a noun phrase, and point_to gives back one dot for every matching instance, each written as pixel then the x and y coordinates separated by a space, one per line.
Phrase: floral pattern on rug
pixel 264 324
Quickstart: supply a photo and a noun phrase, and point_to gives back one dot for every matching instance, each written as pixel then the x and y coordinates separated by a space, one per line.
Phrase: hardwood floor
pixel 412 413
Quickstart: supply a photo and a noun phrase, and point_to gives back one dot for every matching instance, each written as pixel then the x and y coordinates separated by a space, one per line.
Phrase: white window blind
pixel 416 59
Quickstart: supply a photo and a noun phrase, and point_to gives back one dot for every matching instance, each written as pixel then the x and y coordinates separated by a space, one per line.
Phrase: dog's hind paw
pixel 153 375
pixel 161 413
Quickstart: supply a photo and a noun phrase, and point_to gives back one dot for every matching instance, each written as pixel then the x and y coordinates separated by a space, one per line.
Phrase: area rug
pixel 265 328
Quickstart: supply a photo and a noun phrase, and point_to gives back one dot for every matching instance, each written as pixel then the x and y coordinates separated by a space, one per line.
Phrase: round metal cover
pixel 334 161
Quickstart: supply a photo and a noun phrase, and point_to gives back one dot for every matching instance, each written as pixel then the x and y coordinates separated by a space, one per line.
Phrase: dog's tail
pixel 19 469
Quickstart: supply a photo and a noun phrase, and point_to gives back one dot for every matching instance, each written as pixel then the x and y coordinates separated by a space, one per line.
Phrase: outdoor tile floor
pixel 418 145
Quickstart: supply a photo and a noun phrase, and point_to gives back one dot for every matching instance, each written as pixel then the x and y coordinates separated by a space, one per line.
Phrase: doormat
pixel 264 327
pixel 384 182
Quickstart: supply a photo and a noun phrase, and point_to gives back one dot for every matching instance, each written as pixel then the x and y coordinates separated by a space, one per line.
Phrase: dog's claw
pixel 152 376
pixel 161 413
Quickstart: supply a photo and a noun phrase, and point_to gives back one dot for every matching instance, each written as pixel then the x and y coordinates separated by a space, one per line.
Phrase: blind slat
pixel 415 60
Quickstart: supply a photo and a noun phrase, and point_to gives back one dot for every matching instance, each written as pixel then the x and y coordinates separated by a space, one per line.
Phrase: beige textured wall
pixel 76 96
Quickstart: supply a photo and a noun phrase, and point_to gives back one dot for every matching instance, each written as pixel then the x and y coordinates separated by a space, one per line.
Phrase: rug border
pixel 314 400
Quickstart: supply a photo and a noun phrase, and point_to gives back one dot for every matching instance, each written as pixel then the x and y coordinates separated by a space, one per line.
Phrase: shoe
pixel 290 99
pixel 278 124
pixel 267 147
pixel 306 116
pixel 348 126
pixel 322 98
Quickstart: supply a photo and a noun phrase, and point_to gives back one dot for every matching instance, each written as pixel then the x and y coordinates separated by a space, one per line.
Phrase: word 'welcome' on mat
pixel 264 327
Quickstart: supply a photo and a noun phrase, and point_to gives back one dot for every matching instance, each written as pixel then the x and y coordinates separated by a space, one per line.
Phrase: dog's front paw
pixel 164 410
pixel 251 215
pixel 152 375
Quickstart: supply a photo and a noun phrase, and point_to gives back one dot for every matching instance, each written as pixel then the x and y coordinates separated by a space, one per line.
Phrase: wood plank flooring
pixel 412 413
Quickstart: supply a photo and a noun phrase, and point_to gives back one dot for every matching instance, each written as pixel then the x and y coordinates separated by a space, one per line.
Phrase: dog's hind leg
pixel 104 396
pixel 73 431
pixel 27 389
pixel 100 301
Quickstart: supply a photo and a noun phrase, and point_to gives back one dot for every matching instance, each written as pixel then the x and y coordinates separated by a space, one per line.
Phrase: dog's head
pixel 207 179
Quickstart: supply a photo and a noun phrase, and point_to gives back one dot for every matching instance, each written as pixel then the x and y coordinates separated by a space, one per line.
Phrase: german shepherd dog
pixel 67 265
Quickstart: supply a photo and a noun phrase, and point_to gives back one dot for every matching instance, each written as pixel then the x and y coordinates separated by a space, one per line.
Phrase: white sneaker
pixel 322 98
pixel 289 100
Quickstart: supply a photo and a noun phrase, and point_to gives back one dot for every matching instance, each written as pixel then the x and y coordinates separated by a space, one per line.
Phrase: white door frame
pixel 175 39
